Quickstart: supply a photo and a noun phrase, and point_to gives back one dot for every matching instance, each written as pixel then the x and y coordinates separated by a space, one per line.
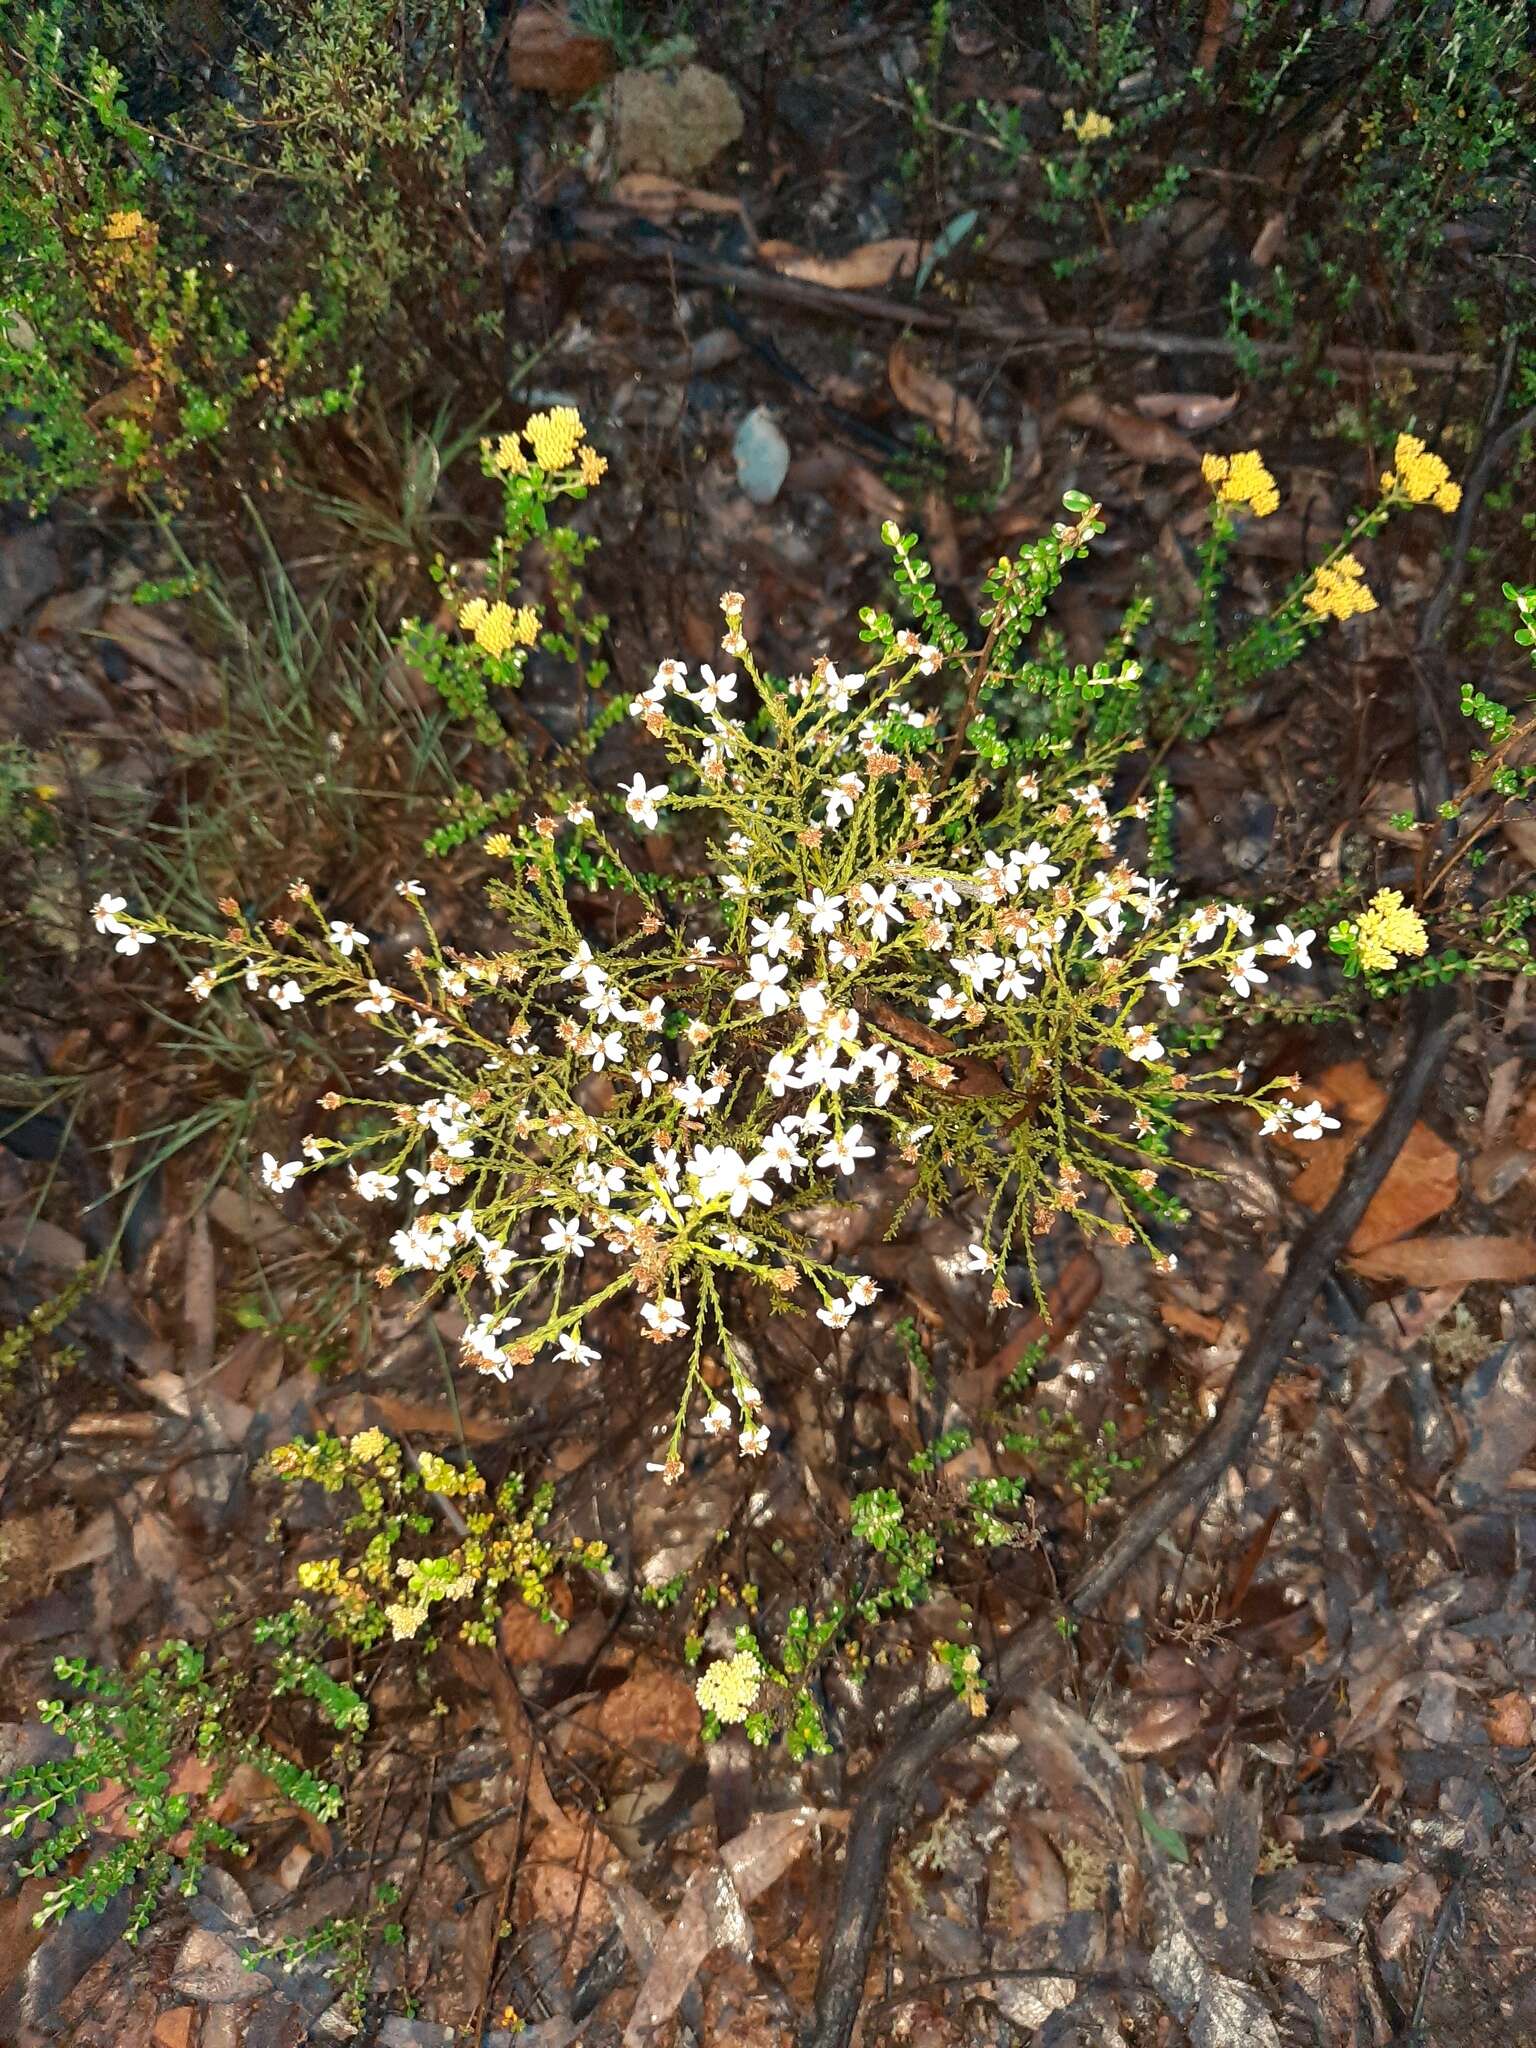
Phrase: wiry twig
pixel 603 233
pixel 895 1783
pixel 897 1780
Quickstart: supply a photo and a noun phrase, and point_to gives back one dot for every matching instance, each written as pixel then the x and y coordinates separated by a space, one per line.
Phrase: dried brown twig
pixel 935 1725
pixel 602 233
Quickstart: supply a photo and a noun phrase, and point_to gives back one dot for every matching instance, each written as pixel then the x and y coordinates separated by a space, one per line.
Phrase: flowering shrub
pixel 890 952
pixel 151 1752
pixel 371 1591
pixel 199 260
pixel 1331 589
pixel 548 460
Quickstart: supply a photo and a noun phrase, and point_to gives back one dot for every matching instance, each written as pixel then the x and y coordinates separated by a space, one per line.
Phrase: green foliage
pixel 30 1342
pixel 164 1738
pixel 1416 119
pixel 180 292
pixel 343 1947
pixel 381 1586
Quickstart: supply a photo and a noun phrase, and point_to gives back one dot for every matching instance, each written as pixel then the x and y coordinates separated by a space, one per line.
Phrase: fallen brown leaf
pixel 1147 440
pixel 1193 410
pixel 481 1669
pixel 710 1912
pixel 546 52
pixel 1413 1913
pixel 940 539
pixel 1217 15
pixel 1298 1938
pixel 864 269
pixel 155 645
pixel 1450 1261
pixel 173 2029
pixel 662 199
pixel 654 1707
pixel 953 416
pixel 1423 1183
pixel 847 482
pixel 349 1413
pixel 1353 1090
pixel 1162 1725
pixel 1521 834
pixel 1189 1321
pixel 1510 1721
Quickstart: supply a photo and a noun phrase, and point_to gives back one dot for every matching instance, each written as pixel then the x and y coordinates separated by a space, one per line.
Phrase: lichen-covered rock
pixel 675 122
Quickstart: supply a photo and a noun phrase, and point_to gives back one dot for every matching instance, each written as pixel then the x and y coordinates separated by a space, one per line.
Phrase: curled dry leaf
pixel 864 269
pixel 1162 1725
pixel 1194 410
pixel 1413 1914
pixel 1450 1261
pixel 1298 1937
pixel 1147 440
pixel 661 199
pixel 953 416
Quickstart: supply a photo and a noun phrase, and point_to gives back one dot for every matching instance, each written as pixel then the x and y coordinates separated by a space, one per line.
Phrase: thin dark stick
pixel 896 1781
pixel 602 234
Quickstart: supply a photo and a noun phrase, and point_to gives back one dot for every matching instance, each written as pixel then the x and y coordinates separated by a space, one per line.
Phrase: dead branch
pixel 934 1726
pixel 602 235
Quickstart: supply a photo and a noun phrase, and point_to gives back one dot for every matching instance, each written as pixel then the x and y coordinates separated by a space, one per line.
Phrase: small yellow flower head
pixel 507 455
pixel 594 467
pixel 404 1620
pixel 500 845
pixel 1421 477
pixel 1090 127
pixel 1242 479
pixel 369 1447
pixel 729 1688
pixel 1387 930
pixel 553 436
pixel 1339 590
pixel 472 614
pixel 123 226
pixel 497 631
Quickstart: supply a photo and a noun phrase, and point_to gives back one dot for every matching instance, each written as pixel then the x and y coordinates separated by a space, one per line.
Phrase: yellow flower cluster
pixel 1421 477
pixel 1387 930
pixel 729 1688
pixel 404 1620
pixel 557 440
pixel 554 436
pixel 1090 127
pixel 373 1447
pixel 1339 590
pixel 497 627
pixel 507 455
pixel 122 226
pixel 1242 479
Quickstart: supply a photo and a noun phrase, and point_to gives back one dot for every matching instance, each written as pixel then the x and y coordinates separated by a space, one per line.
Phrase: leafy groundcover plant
pixel 834 936
pixel 417 1548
